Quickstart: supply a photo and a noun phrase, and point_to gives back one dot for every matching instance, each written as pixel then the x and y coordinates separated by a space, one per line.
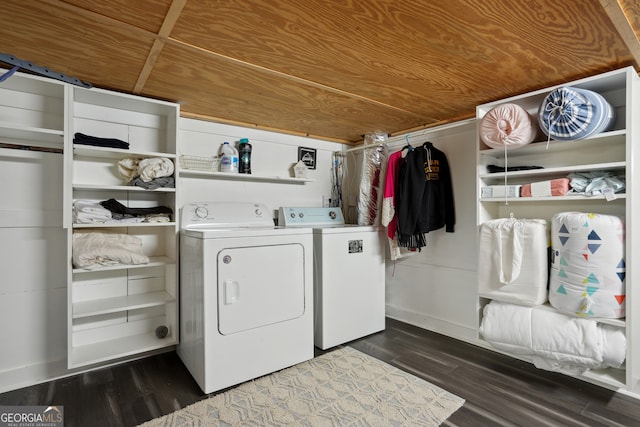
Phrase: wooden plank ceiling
pixel 335 70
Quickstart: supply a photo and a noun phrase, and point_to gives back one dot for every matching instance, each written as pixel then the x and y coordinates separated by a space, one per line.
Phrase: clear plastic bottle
pixel 244 148
pixel 228 158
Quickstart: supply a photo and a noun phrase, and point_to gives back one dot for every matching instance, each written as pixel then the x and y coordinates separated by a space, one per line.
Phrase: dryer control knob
pixel 258 212
pixel 201 212
pixel 332 214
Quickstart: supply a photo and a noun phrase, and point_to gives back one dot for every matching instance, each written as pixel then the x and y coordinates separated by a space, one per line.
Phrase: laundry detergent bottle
pixel 245 156
pixel 228 158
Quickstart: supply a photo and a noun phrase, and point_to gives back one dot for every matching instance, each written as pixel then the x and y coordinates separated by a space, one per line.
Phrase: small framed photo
pixel 308 156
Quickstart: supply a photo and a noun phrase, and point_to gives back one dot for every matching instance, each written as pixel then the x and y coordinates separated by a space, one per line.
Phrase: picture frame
pixel 307 156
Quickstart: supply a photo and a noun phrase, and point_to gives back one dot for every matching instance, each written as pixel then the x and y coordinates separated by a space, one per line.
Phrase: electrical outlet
pixel 326 201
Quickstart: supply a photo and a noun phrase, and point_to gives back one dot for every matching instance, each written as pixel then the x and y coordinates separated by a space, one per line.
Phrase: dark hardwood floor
pixel 499 390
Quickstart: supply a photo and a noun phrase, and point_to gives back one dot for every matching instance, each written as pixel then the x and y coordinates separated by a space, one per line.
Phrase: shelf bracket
pixel 43 71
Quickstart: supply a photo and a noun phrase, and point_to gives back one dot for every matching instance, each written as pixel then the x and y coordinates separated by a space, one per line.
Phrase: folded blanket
pixel 88 212
pixel 554 341
pixel 554 187
pixel 595 182
pixel 91 249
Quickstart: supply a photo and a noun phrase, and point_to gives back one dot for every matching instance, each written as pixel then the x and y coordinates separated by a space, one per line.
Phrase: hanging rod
pixel 402 139
pixel 43 71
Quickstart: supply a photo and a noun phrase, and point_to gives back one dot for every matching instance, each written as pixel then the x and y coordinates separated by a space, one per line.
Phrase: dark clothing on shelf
pixel 80 138
pixel 116 207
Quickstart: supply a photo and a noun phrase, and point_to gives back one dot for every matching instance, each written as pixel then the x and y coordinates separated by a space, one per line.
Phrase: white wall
pixel 33 290
pixel 273 154
pixel 436 288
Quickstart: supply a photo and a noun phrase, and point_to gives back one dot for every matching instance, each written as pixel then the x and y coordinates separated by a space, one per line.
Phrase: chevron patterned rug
pixel 344 387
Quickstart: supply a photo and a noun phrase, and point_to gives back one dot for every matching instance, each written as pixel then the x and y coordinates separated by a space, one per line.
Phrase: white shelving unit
pixel 242 177
pixel 114 310
pixel 616 150
pixel 32 112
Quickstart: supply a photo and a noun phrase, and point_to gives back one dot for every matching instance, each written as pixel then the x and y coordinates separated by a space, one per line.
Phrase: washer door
pixel 259 286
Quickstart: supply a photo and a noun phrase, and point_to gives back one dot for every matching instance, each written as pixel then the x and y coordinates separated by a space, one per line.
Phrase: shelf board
pixel 98 187
pixel 570 198
pixel 31 135
pixel 122 303
pixel 554 146
pixel 115 153
pixel 153 262
pixel 554 171
pixel 121 347
pixel 125 224
pixel 243 177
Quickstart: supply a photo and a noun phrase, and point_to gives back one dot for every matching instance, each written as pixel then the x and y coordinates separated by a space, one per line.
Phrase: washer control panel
pixel 290 217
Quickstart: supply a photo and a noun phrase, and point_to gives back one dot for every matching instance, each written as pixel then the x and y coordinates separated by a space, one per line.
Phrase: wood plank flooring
pixel 499 390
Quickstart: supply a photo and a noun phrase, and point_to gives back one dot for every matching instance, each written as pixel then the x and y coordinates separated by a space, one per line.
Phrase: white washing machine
pixel 349 274
pixel 246 293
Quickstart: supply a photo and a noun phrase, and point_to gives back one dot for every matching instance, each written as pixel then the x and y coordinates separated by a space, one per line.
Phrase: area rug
pixel 344 387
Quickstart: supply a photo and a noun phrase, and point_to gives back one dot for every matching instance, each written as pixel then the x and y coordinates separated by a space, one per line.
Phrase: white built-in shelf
pixel 243 177
pixel 115 153
pixel 125 224
pixel 555 146
pixel 10 132
pixel 153 262
pixel 104 351
pixel 121 303
pixel 97 187
pixel 555 171
pixel 570 198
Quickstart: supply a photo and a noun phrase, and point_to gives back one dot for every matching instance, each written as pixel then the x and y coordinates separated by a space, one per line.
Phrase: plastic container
pixel 245 156
pixel 228 158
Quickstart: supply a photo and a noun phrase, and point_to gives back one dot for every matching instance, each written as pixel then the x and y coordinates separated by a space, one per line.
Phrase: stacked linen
pixel 554 341
pixel 94 249
pixel 89 212
pixel 570 113
pixel 588 265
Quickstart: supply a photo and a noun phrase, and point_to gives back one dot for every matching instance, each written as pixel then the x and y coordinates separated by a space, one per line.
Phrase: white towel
pixel 158 167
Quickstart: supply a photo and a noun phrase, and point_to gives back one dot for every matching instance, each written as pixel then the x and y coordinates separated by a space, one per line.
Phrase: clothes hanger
pixel 407 147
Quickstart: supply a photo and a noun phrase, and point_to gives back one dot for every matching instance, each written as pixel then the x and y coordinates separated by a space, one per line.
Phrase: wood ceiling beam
pixel 623 24
pixel 167 25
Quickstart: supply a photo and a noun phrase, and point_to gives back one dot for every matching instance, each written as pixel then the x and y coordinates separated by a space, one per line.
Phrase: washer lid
pixel 210 232
pixel 346 228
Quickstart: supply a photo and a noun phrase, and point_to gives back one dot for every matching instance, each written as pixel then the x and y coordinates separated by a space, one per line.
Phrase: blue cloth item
pixel 570 113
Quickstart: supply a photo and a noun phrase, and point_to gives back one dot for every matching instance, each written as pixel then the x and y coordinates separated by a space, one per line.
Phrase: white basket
pixel 199 163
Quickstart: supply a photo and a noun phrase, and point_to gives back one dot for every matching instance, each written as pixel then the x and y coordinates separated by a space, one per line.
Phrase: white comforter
pixel 554 341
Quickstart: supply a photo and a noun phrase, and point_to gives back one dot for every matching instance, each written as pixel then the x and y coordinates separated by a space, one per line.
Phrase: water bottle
pixel 228 158
pixel 245 156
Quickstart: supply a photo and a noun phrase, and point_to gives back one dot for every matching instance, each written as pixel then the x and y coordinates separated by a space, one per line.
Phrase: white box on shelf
pixel 495 191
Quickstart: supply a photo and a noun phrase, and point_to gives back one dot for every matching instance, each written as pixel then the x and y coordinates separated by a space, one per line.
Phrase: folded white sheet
pixel 91 249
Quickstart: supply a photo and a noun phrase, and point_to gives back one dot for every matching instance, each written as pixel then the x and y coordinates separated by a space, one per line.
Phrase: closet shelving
pixel 115 310
pixel 32 112
pixel 615 150
pixel 243 177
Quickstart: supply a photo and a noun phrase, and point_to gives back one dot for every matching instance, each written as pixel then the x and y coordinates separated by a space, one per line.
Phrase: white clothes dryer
pixel 349 274
pixel 246 293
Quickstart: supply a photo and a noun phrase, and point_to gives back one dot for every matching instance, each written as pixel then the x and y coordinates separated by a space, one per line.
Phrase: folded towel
pixel 554 187
pixel 158 167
